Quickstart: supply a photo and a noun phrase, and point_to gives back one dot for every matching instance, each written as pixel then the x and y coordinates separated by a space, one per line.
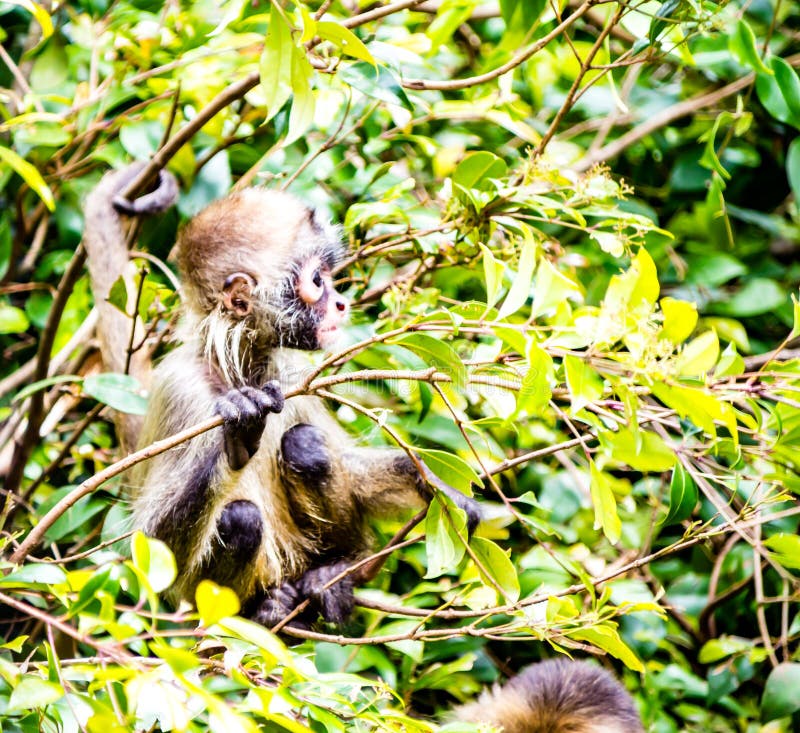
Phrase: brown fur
pixel 557 696
pixel 260 233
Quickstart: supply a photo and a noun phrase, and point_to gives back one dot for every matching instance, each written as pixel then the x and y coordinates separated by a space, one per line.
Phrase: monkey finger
pixel 236 406
pixel 272 390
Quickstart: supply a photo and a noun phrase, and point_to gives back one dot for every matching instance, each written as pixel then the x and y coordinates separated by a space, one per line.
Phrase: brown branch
pixel 516 60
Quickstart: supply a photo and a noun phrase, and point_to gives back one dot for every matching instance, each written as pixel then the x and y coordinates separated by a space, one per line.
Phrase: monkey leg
pixel 244 412
pixel 305 455
pixel 239 532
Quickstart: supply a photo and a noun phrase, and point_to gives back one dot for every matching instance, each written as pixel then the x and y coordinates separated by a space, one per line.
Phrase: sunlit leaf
pixel 445 525
pixel 343 37
pixel 276 63
pixel 29 174
pixel 215 602
pixel 154 559
pixel 584 383
pixel 499 567
pixel 605 505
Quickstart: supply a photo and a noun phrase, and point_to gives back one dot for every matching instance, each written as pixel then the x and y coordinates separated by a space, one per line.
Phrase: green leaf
pixel 781 692
pixel 215 602
pixel 793 167
pixel 29 174
pixel 34 574
pixel 437 354
pixel 26 392
pixel 683 496
pixel 730 364
pixel 155 560
pixel 34 692
pixel 118 295
pixel 120 391
pixel 375 81
pixel 699 356
pixel 521 282
pixel 743 45
pixel 451 469
pixel 303 102
pixel 584 383
pixel 275 65
pixel 786 548
pixel 343 37
pixel 535 392
pixel 640 449
pixel 444 523
pixel 605 505
pixel 789 84
pixel 605 637
pixel 450 15
pixel 497 564
pixel 476 170
pixel 551 288
pixel 12 319
pixel 492 275
pixel 256 634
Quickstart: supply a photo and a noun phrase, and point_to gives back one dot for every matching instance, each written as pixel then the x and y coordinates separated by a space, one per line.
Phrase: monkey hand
pixel 334 603
pixel 244 412
pixel 277 604
pixel 462 501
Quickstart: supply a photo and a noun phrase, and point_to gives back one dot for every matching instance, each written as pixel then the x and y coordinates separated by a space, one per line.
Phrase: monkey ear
pixel 237 294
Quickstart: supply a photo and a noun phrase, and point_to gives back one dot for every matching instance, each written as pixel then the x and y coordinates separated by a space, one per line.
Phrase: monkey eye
pixel 311 282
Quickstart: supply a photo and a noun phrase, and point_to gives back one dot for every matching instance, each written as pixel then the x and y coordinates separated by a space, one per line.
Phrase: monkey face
pixel 315 309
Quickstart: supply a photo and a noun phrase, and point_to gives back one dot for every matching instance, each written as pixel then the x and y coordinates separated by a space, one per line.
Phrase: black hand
pixel 244 412
pixel 334 603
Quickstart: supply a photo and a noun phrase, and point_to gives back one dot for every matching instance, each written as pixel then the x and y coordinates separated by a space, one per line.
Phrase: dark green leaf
pixel 683 496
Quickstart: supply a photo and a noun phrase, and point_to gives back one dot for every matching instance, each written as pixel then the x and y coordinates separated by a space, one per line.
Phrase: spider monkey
pixel 276 503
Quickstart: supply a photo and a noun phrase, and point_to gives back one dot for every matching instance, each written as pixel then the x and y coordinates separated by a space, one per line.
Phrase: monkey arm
pixel 384 478
pixel 244 412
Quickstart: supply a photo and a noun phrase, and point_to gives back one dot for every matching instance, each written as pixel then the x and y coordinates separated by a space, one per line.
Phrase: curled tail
pixel 105 242
pixel 557 696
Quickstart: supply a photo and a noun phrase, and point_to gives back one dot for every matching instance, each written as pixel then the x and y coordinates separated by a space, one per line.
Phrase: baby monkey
pixel 276 503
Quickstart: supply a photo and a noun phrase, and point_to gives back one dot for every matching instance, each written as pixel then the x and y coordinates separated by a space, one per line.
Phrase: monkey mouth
pixel 327 336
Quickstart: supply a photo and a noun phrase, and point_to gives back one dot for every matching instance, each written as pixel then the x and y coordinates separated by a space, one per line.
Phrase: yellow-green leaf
pixel 605 637
pixel 699 356
pixel 551 288
pixel 304 101
pixel 29 174
pixel 41 16
pixel 493 275
pixel 584 384
pixel 680 319
pixel 343 37
pixel 521 282
pixel 640 449
pixel 605 505
pixel 155 560
pixel 495 561
pixel 215 602
pixel 275 64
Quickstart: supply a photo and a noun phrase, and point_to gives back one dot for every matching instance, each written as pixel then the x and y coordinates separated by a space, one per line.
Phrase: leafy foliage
pixel 573 231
